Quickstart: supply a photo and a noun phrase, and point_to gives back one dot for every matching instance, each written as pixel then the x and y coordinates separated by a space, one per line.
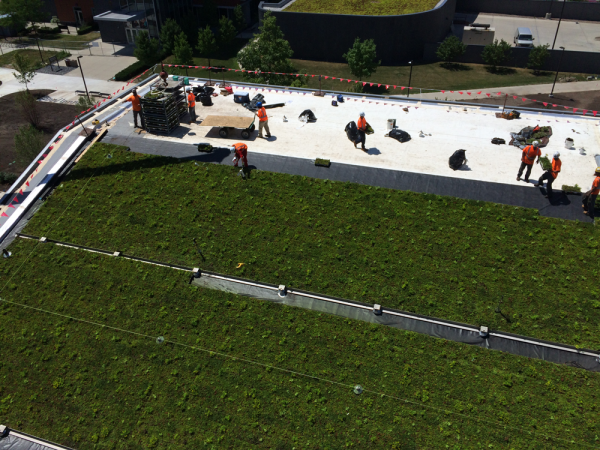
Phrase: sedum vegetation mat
pixel 362 7
pixel 440 256
pixel 85 384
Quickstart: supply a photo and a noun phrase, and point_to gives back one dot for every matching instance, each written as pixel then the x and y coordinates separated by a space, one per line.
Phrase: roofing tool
pixel 198 248
pixel 239 265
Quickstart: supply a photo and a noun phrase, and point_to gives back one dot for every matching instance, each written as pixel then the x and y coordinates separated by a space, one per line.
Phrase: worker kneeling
pixel 551 175
pixel 241 152
pixel 528 158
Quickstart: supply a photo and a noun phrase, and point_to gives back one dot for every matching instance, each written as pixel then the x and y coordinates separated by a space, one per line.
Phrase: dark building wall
pixel 534 8
pixel 65 10
pixel 112 31
pixel 399 39
pixel 49 9
pixel 581 62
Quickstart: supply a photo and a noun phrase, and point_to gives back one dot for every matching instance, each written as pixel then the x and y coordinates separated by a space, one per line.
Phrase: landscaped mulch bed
pixel 53 116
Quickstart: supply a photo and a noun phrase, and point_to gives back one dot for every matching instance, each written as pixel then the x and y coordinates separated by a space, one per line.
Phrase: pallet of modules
pixel 162 109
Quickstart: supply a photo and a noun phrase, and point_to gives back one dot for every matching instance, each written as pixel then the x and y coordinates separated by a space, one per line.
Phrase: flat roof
pixel 120 16
pixel 437 130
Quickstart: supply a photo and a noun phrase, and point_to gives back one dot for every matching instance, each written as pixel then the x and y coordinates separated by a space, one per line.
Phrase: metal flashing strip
pixel 435 327
pixel 41 444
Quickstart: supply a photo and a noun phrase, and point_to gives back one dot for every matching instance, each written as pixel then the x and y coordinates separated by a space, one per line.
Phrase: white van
pixel 523 37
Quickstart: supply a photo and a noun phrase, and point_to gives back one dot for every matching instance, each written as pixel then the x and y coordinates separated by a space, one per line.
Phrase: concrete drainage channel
pixel 374 313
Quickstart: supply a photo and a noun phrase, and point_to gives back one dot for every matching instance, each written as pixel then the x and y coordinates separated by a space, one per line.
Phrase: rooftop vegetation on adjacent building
pixel 362 7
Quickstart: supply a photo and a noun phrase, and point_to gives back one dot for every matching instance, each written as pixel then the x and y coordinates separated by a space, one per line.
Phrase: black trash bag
pixel 352 132
pixel 206 100
pixel 457 160
pixel 310 116
pixel 498 141
pixel 399 135
pixel 252 105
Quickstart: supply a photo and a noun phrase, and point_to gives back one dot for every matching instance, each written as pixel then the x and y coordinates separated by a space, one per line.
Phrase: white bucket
pixel 569 143
pixel 391 123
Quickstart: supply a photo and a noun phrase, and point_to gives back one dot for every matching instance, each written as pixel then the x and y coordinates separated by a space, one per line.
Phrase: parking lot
pixel 574 36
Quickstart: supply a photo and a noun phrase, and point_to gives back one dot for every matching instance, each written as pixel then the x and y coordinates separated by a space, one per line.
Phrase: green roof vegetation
pixel 362 7
pixel 440 256
pixel 83 368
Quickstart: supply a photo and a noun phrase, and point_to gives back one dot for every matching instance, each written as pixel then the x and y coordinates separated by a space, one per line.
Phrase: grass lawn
pixel 433 255
pixel 370 8
pixel 429 76
pixel 7 58
pixel 93 387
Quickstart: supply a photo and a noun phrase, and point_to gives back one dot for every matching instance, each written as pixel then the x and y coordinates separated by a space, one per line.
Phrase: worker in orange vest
pixel 550 175
pixel 263 120
pixel 191 98
pixel 528 158
pixel 589 199
pixel 362 129
pixel 136 105
pixel 241 152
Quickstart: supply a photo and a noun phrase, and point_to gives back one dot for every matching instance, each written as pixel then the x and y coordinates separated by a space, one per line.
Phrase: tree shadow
pixel 501 70
pixel 455 67
pixel 541 73
pixel 376 90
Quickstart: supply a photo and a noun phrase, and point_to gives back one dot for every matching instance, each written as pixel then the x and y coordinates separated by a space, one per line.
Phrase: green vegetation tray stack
pixel 162 111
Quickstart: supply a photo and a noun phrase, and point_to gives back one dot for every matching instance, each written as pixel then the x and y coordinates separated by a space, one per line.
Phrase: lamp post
pixel 559 20
pixel 557 69
pixel 82 77
pixel 409 78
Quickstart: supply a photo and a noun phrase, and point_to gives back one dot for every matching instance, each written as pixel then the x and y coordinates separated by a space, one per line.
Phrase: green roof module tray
pixel 162 108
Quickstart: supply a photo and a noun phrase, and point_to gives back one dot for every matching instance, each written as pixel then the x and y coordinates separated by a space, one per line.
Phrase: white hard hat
pixel 362 114
pixel 556 154
pixel 189 89
pixel 232 149
pixel 535 143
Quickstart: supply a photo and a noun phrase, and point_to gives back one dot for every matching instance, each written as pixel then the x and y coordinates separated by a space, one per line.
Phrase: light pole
pixel 409 78
pixel 82 77
pixel 557 69
pixel 559 20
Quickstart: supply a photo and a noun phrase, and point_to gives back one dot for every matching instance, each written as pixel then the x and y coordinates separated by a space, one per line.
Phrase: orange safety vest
pixel 262 114
pixel 595 186
pixel 191 100
pixel 135 102
pixel 241 150
pixel 556 165
pixel 362 124
pixel 529 154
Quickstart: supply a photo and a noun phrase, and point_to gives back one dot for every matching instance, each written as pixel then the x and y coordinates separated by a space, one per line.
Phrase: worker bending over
pixel 529 154
pixel 263 120
pixel 191 98
pixel 551 175
pixel 136 105
pixel 241 152
pixel 362 130
pixel 590 196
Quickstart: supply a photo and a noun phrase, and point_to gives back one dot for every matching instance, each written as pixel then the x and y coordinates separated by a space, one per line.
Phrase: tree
pixel 18 12
pixel 168 35
pixel 29 108
pixel 189 26
pixel 496 54
pixel 210 13
pixel 25 69
pixel 451 49
pixel 362 58
pixel 146 49
pixel 267 52
pixel 207 44
pixel 537 57
pixel 227 32
pixel 29 142
pixel 239 21
pixel 183 51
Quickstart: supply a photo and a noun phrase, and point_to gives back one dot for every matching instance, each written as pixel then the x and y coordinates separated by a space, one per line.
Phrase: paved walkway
pixel 531 90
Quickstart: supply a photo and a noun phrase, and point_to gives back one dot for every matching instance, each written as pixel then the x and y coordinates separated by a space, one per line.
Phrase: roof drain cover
pixel 282 291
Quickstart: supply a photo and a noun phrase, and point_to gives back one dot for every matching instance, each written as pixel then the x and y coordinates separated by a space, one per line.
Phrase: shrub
pixel 146 49
pixel 8 178
pixel 451 49
pixel 537 57
pixel 497 53
pixel 85 30
pixel 29 142
pixel 28 106
pixel 131 71
pixel 48 30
